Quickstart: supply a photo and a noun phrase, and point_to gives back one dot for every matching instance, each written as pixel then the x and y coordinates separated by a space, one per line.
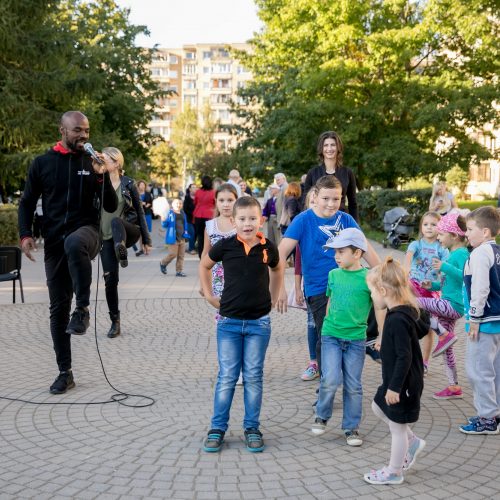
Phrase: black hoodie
pixel 402 363
pixel 71 193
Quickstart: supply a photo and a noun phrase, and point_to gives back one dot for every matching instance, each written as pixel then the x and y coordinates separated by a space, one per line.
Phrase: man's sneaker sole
pixel 443 347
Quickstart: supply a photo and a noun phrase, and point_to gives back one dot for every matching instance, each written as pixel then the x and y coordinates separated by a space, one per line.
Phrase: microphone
pixel 91 152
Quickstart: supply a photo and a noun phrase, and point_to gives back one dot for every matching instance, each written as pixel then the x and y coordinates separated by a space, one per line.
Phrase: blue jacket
pixel 169 225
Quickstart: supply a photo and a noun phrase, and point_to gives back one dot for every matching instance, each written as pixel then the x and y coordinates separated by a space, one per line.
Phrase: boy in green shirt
pixel 343 335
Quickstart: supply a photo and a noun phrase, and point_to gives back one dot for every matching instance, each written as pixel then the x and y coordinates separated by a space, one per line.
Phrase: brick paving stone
pixel 110 451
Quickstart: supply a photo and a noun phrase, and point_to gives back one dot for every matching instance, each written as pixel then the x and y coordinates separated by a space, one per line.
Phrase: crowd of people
pixel 90 206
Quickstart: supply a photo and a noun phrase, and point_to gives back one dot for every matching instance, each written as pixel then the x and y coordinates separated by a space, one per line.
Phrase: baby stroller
pixel 399 225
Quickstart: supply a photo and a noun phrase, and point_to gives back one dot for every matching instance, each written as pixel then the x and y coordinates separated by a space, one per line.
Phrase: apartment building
pixel 166 68
pixel 201 75
pixel 485 178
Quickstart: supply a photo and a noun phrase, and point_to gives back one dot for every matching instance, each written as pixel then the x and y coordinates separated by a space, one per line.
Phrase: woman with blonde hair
pixel 119 231
pixel 442 201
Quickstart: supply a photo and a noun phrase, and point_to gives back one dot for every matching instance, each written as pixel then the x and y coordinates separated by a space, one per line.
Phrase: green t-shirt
pixel 350 304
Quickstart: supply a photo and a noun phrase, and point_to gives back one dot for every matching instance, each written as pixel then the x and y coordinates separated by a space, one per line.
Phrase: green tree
pixel 70 54
pixel 400 80
pixel 164 161
pixel 192 138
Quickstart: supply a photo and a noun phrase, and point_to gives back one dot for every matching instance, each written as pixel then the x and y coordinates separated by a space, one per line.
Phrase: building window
pixel 221 68
pixel 189 55
pixel 173 59
pixel 173 73
pixel 242 69
pixel 206 85
pixel 224 114
pixel 220 84
pixel 190 84
pixel 190 99
pixel 172 88
pixel 207 54
pixel 189 69
pixel 223 53
pixel 481 172
pixel 219 98
pixel 206 69
pixel 155 72
pixel 172 103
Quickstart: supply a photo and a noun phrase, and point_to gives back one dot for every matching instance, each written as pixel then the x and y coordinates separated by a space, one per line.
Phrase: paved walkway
pixel 167 351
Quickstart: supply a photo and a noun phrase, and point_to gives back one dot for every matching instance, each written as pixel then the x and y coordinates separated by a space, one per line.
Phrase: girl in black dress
pixel 397 401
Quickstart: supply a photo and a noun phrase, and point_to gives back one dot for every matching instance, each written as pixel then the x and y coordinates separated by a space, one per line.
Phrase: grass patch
pixel 472 205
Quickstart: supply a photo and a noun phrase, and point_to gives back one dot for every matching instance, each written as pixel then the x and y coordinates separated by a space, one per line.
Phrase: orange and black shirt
pixel 246 292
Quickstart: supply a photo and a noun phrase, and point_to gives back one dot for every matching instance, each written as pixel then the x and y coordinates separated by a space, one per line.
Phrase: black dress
pixel 402 363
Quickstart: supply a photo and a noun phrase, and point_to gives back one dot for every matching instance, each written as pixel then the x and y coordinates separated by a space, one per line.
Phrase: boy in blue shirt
pixel 482 310
pixel 311 230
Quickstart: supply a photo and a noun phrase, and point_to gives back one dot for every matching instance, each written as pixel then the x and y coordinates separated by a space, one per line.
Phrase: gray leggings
pixel 401 434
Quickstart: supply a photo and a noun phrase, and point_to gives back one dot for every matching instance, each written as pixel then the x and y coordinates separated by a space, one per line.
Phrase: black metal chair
pixel 10 269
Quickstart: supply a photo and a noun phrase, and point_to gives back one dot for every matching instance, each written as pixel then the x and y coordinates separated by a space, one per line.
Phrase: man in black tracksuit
pixel 71 188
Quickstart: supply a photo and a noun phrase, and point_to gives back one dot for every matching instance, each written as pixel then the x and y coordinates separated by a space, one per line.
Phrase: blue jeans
pixel 192 236
pixel 241 346
pixel 149 222
pixel 312 336
pixel 341 362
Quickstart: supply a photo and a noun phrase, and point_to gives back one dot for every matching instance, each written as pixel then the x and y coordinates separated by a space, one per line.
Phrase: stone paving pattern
pixel 168 351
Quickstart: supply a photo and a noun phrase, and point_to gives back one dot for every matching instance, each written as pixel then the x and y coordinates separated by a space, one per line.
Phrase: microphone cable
pixel 119 397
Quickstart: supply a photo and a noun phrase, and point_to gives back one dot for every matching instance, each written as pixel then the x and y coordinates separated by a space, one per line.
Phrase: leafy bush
pixel 9 234
pixel 373 204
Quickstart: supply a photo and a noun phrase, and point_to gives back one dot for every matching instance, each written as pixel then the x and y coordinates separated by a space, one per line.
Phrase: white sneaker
pixel 319 427
pixel 353 438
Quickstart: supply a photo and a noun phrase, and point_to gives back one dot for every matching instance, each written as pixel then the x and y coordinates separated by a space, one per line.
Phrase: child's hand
pixel 214 301
pixel 299 296
pixel 436 264
pixel 282 304
pixel 377 344
pixel 427 284
pixel 391 397
pixel 473 331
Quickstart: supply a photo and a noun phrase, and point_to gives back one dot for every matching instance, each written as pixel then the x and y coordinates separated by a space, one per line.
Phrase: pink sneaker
pixel 312 372
pixel 444 342
pixel 449 394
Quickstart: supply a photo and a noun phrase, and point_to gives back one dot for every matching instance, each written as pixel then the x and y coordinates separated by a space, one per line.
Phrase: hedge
pixel 373 204
pixel 9 234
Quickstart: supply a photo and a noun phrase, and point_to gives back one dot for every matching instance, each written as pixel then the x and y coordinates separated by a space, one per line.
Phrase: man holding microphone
pixel 71 186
